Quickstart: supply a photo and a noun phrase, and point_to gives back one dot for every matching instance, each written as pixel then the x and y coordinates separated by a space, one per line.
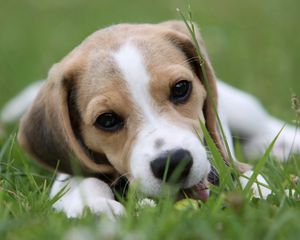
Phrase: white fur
pixel 154 127
pixel 80 193
pixel 15 108
pixel 130 62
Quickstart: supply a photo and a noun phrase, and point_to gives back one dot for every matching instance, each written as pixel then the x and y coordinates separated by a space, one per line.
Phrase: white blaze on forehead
pixel 131 63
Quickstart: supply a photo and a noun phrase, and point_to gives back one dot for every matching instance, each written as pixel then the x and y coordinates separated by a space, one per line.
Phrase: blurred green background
pixel 253 45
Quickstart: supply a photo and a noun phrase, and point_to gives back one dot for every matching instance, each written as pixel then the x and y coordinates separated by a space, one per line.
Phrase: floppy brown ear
pixel 182 39
pixel 49 131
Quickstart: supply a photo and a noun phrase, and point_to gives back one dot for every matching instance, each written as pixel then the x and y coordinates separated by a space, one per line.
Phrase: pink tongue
pixel 202 190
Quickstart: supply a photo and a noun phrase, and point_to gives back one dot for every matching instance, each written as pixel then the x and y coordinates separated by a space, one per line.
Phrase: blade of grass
pixel 166 170
pixel 217 160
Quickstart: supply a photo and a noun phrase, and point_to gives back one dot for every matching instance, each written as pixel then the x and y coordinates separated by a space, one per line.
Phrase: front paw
pixel 74 208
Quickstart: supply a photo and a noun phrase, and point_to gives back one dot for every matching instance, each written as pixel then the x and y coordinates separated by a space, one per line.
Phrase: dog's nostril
pixel 173 165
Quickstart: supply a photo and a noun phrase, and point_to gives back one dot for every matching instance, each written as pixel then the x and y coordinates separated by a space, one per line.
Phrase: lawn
pixel 253 45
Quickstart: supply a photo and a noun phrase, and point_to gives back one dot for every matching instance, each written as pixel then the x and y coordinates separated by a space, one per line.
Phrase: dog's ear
pixel 181 37
pixel 50 132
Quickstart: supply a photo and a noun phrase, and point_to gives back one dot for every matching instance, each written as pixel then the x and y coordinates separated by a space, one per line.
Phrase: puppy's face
pixel 144 107
pixel 132 95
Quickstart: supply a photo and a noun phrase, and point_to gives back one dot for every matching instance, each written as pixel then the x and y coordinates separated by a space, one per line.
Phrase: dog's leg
pixel 250 121
pixel 79 193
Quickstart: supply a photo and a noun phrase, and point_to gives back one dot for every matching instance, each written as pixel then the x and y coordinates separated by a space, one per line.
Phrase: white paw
pixel 81 193
pixel 259 187
pixel 287 143
pixel 98 206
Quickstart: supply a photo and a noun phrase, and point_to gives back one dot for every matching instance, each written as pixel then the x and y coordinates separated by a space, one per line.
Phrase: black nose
pixel 172 165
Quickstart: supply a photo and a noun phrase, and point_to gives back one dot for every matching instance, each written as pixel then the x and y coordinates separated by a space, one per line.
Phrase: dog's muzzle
pixel 174 167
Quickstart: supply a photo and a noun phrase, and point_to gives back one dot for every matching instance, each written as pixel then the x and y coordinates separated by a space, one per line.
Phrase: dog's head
pixel 128 100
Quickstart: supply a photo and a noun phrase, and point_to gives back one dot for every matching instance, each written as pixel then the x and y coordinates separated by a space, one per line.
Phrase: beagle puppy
pixel 127 102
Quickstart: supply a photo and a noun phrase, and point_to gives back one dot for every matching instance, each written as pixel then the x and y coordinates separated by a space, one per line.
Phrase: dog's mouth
pixel 200 191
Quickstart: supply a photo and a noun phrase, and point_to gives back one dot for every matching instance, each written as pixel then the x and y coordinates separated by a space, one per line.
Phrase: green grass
pixel 230 212
pixel 253 45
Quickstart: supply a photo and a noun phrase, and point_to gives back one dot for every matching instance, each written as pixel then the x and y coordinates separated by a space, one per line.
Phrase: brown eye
pixel 181 91
pixel 109 122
